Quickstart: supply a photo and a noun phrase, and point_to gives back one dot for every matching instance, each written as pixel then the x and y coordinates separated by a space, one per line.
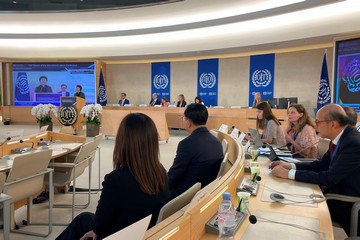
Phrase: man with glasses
pixel 198 157
pixel 339 169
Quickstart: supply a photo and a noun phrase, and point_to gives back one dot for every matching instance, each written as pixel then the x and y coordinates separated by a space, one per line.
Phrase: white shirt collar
pixel 336 140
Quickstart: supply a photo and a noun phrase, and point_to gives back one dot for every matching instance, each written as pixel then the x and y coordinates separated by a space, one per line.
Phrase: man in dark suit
pixel 154 101
pixel 64 91
pixel 123 100
pixel 198 157
pixel 339 169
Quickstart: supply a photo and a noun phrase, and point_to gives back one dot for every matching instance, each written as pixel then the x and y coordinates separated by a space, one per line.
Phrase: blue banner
pixel 160 79
pixel 324 94
pixel 207 87
pixel 102 97
pixel 22 90
pixel 261 76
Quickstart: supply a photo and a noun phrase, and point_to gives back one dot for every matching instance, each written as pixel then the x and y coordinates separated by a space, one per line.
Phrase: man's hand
pixel 280 171
pixel 89 235
pixel 281 164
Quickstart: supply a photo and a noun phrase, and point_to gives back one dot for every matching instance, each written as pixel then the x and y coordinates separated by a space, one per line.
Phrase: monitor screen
pixel 273 102
pixel 284 103
pixel 35 83
pixel 347 72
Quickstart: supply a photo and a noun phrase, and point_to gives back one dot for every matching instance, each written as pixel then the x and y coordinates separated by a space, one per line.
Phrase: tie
pixel 331 148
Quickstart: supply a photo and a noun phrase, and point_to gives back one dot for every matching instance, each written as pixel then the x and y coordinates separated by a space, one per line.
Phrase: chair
pixel 222 166
pixel 72 167
pixel 5 200
pixel 322 146
pixel 225 145
pixel 214 133
pixel 25 179
pixel 97 140
pixel 178 203
pixel 354 211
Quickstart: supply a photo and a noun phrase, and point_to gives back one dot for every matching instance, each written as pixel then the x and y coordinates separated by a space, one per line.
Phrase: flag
pixel 22 90
pixel 324 95
pixel 102 98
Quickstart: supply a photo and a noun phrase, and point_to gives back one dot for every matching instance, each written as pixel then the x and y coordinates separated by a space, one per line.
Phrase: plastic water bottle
pixel 226 218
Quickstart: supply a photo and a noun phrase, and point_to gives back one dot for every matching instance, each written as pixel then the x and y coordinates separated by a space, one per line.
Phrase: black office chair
pixel 354 211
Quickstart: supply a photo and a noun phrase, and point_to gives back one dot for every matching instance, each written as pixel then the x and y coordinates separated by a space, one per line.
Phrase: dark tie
pixel 331 148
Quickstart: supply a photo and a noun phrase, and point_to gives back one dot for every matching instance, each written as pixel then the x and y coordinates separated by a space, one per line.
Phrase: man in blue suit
pixel 198 157
pixel 64 91
pixel 339 169
pixel 123 100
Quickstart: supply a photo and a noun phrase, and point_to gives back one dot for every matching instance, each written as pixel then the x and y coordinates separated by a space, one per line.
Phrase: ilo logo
pixel 324 92
pixel 351 75
pixel 261 78
pixel 102 94
pixel 207 80
pixel 161 81
pixel 22 83
pixel 67 115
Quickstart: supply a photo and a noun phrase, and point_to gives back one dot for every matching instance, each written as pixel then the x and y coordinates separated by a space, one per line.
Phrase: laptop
pixel 273 156
pixel 256 137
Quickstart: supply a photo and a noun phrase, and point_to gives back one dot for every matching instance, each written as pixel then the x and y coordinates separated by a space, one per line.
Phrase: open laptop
pixel 273 156
pixel 255 135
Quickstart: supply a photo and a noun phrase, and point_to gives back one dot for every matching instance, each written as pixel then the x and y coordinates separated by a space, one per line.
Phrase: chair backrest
pixel 214 133
pixel 225 145
pixel 2 181
pixel 25 178
pixel 97 139
pixel 322 146
pixel 178 203
pixel 222 165
pixel 87 150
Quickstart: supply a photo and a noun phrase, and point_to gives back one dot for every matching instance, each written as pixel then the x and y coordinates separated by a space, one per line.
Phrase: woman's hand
pixel 89 235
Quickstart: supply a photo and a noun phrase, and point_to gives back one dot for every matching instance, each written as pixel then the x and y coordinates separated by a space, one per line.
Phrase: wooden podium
pixel 78 103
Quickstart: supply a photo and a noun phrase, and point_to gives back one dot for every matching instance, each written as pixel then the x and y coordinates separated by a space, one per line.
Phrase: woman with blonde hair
pixel 181 102
pixel 136 188
pixel 269 124
pixel 301 131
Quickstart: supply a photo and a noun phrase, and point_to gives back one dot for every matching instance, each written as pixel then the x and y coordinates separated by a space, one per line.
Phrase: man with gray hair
pixel 339 169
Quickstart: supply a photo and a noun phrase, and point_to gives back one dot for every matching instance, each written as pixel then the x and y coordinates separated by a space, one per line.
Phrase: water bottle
pixel 226 218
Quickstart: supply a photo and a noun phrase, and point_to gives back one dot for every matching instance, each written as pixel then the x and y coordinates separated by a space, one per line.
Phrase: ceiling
pixel 73 5
pixel 178 30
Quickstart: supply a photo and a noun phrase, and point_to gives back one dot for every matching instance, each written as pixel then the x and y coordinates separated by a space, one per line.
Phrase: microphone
pixel 252 218
pixel 231 129
pixel 32 143
pixel 297 153
pixel 6 140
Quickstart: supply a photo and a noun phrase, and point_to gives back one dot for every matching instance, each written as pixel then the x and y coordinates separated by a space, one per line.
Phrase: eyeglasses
pixel 317 122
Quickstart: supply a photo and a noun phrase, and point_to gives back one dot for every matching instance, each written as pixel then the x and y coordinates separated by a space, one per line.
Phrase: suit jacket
pixel 157 102
pixel 43 89
pixel 126 101
pixel 66 93
pixel 79 94
pixel 198 159
pixel 342 174
pixel 183 104
pixel 122 203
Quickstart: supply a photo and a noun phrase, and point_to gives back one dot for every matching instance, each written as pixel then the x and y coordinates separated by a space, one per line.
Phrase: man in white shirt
pixel 123 100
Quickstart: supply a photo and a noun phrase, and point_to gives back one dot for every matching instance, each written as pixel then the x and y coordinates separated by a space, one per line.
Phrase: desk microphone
pixel 6 140
pixel 252 218
pixel 32 143
pixel 297 153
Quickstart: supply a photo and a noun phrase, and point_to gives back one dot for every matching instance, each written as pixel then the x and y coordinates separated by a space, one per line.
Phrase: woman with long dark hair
pixel 136 188
pixel 269 124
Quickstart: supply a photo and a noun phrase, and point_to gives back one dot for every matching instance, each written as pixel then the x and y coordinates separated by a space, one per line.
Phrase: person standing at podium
pixel 79 92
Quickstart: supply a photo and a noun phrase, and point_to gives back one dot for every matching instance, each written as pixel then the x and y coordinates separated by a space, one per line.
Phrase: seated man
pixel 339 169
pixel 198 157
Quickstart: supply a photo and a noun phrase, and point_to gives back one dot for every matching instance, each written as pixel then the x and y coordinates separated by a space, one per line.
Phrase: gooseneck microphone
pixel 298 152
pixel 252 218
pixel 6 140
pixel 32 143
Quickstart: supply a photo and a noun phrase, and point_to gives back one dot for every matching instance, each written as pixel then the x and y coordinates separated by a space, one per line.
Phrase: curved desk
pixel 190 223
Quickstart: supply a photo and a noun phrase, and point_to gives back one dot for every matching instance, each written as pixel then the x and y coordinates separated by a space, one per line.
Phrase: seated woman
pixel 181 102
pixel 266 121
pixel 164 102
pixel 136 188
pixel 198 100
pixel 301 131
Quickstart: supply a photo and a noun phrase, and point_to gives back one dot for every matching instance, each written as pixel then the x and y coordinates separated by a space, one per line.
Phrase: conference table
pixel 290 219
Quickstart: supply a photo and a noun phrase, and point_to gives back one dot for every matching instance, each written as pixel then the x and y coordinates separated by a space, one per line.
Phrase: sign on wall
pixel 261 76
pixel 160 79
pixel 207 87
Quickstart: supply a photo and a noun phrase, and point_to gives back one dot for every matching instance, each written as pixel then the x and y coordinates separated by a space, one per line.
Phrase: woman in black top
pixel 136 188
pixel 181 102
